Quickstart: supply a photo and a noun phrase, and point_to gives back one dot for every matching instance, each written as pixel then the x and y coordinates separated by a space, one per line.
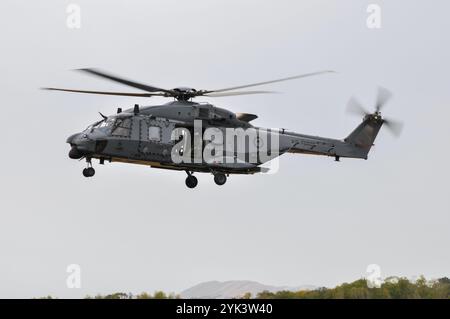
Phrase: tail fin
pixel 364 135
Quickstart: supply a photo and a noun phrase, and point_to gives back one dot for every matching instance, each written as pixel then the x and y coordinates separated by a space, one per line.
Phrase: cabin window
pixel 154 133
pixel 122 127
pixel 203 113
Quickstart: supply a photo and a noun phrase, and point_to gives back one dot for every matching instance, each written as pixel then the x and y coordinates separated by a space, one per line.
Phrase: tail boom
pixel 356 145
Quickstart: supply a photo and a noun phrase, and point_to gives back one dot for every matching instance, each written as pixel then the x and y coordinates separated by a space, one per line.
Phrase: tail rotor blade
pixel 355 107
pixel 395 127
pixel 383 96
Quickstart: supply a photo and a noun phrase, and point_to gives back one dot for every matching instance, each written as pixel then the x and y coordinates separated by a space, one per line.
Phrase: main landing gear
pixel 191 180
pixel 89 171
pixel 220 179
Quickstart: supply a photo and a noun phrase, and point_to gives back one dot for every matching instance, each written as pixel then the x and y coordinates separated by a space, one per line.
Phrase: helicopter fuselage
pixel 146 136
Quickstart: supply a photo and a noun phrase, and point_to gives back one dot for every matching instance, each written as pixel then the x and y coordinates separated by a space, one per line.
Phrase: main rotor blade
pixel 106 93
pixel 395 127
pixel 355 107
pixel 383 96
pixel 238 93
pixel 268 82
pixel 141 86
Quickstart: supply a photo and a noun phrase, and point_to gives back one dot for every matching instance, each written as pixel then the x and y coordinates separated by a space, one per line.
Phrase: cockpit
pixel 114 126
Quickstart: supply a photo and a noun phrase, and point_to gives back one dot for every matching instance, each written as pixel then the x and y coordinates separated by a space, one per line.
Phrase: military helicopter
pixel 145 135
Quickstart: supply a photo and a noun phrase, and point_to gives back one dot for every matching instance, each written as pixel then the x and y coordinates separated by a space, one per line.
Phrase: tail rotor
pixel 383 97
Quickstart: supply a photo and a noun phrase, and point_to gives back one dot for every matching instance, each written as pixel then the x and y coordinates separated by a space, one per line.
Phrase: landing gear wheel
pixel 88 172
pixel 191 181
pixel 220 179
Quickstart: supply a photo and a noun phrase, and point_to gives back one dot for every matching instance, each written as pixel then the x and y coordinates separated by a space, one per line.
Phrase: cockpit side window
pixel 121 127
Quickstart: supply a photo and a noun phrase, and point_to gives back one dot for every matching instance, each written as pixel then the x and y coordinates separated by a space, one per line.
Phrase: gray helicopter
pixel 162 136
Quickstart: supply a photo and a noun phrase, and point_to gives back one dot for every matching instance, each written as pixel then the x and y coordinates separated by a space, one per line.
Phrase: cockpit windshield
pixel 108 122
pixel 116 126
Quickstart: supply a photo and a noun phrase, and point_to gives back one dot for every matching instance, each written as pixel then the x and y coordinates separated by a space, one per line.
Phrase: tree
pixel 159 295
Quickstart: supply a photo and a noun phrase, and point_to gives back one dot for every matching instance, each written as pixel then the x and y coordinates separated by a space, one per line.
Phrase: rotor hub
pixel 184 93
pixel 376 116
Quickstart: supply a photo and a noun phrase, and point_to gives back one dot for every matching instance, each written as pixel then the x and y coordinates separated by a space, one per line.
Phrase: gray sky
pixel 133 229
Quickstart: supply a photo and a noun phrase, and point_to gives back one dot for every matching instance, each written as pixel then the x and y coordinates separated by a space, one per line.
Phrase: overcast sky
pixel 134 229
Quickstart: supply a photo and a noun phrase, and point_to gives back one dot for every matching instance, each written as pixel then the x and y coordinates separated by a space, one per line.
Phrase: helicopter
pixel 158 136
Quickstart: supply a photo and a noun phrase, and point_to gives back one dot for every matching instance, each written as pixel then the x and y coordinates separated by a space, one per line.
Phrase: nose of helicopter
pixel 72 137
pixel 80 144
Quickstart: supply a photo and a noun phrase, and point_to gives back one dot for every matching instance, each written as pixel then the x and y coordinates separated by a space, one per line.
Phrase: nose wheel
pixel 191 180
pixel 89 171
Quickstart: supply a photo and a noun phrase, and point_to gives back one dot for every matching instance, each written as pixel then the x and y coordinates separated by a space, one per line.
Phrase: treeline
pixel 391 288
pixel 144 295
pixel 122 295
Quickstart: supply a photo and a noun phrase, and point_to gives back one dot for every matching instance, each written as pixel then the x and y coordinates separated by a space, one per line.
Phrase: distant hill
pixel 233 289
